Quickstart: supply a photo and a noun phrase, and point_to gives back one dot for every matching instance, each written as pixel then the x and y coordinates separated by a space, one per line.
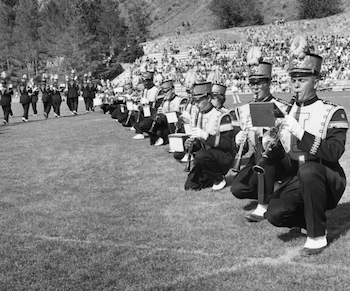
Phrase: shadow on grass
pixel 4 129
pixel 338 224
pixel 338 221
pixel 252 205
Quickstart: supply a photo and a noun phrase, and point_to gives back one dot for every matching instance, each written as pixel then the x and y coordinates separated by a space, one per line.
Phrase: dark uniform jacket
pixel 73 90
pixel 5 97
pixel 45 91
pixel 24 98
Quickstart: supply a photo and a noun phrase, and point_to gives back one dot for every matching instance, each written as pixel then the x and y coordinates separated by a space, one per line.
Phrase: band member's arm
pixel 333 146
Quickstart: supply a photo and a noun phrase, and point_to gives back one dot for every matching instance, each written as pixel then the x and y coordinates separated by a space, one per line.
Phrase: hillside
pixel 167 16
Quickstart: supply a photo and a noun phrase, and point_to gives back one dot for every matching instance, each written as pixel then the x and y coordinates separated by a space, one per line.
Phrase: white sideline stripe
pixel 100 119
pixel 286 258
pixel 111 244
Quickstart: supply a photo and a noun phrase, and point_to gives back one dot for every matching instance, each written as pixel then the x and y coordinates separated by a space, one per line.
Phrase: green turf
pixel 83 206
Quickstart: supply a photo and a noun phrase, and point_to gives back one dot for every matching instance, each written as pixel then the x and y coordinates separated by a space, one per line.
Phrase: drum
pixel 97 101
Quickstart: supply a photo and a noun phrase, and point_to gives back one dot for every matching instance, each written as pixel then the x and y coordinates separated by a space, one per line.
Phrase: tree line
pixel 57 36
pixel 233 13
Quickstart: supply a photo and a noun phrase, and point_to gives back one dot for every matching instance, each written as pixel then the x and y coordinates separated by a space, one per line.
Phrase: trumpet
pixel 274 135
pixel 238 158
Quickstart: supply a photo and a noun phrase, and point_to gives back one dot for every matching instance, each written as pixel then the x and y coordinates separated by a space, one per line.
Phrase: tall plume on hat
pixel 190 79
pixel 299 47
pixel 254 56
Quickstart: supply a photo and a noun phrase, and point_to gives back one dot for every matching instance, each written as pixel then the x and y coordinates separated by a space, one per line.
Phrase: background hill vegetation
pixel 167 16
pixel 56 36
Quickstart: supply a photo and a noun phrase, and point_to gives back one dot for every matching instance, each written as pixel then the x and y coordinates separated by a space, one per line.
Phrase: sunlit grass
pixel 86 207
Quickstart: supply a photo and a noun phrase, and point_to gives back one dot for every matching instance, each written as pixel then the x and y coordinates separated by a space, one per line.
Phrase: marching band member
pixel 35 97
pixel 210 142
pixel 188 115
pixel 171 103
pixel 56 97
pixel 92 90
pixel 247 184
pixel 121 113
pixel 46 96
pixel 218 97
pixel 73 92
pixel 149 98
pixel 6 92
pixel 109 104
pixel 25 92
pixel 313 136
pixel 85 91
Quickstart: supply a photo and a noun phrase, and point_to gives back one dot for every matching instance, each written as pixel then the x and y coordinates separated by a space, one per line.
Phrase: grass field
pixel 86 207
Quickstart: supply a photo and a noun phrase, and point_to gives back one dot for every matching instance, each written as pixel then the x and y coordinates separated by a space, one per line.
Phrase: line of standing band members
pixel 52 94
pixel 291 168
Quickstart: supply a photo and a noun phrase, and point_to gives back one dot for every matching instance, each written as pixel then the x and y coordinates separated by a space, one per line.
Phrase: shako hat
pixel 201 90
pixel 167 85
pixel 302 62
pixel 218 89
pixel 148 75
pixel 257 68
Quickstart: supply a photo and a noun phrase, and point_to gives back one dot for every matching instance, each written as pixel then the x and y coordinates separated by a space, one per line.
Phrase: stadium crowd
pixel 227 52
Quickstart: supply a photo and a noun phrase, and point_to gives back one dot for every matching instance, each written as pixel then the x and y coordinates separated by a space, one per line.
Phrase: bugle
pixel 274 135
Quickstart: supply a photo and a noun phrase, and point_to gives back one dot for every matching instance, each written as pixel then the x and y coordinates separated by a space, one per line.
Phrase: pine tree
pixel 232 13
pixel 26 46
pixel 7 23
pixel 318 8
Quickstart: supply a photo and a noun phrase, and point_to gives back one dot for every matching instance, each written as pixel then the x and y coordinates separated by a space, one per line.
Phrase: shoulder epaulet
pixel 330 103
pixel 223 110
pixel 225 122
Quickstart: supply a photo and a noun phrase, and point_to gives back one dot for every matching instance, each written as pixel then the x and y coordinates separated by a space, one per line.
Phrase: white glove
pixel 239 138
pixel 144 100
pixel 291 124
pixel 160 110
pixel 185 115
pixel 199 133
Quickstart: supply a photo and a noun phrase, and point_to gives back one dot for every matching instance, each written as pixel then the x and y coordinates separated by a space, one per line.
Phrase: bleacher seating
pixel 274 39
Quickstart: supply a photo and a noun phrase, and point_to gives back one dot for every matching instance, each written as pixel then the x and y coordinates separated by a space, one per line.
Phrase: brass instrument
pixel 238 158
pixel 130 112
pixel 180 119
pixel 274 135
pixel 190 154
pixel 190 149
pixel 157 116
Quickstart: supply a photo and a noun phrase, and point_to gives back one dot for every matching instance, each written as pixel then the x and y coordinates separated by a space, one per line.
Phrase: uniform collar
pixel 268 98
pixel 308 102
pixel 208 110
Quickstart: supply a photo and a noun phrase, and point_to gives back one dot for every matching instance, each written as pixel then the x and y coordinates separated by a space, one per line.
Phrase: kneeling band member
pixel 161 128
pixel 210 142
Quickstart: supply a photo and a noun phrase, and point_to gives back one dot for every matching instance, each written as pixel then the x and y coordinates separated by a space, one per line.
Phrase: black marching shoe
pixel 251 217
pixel 305 252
